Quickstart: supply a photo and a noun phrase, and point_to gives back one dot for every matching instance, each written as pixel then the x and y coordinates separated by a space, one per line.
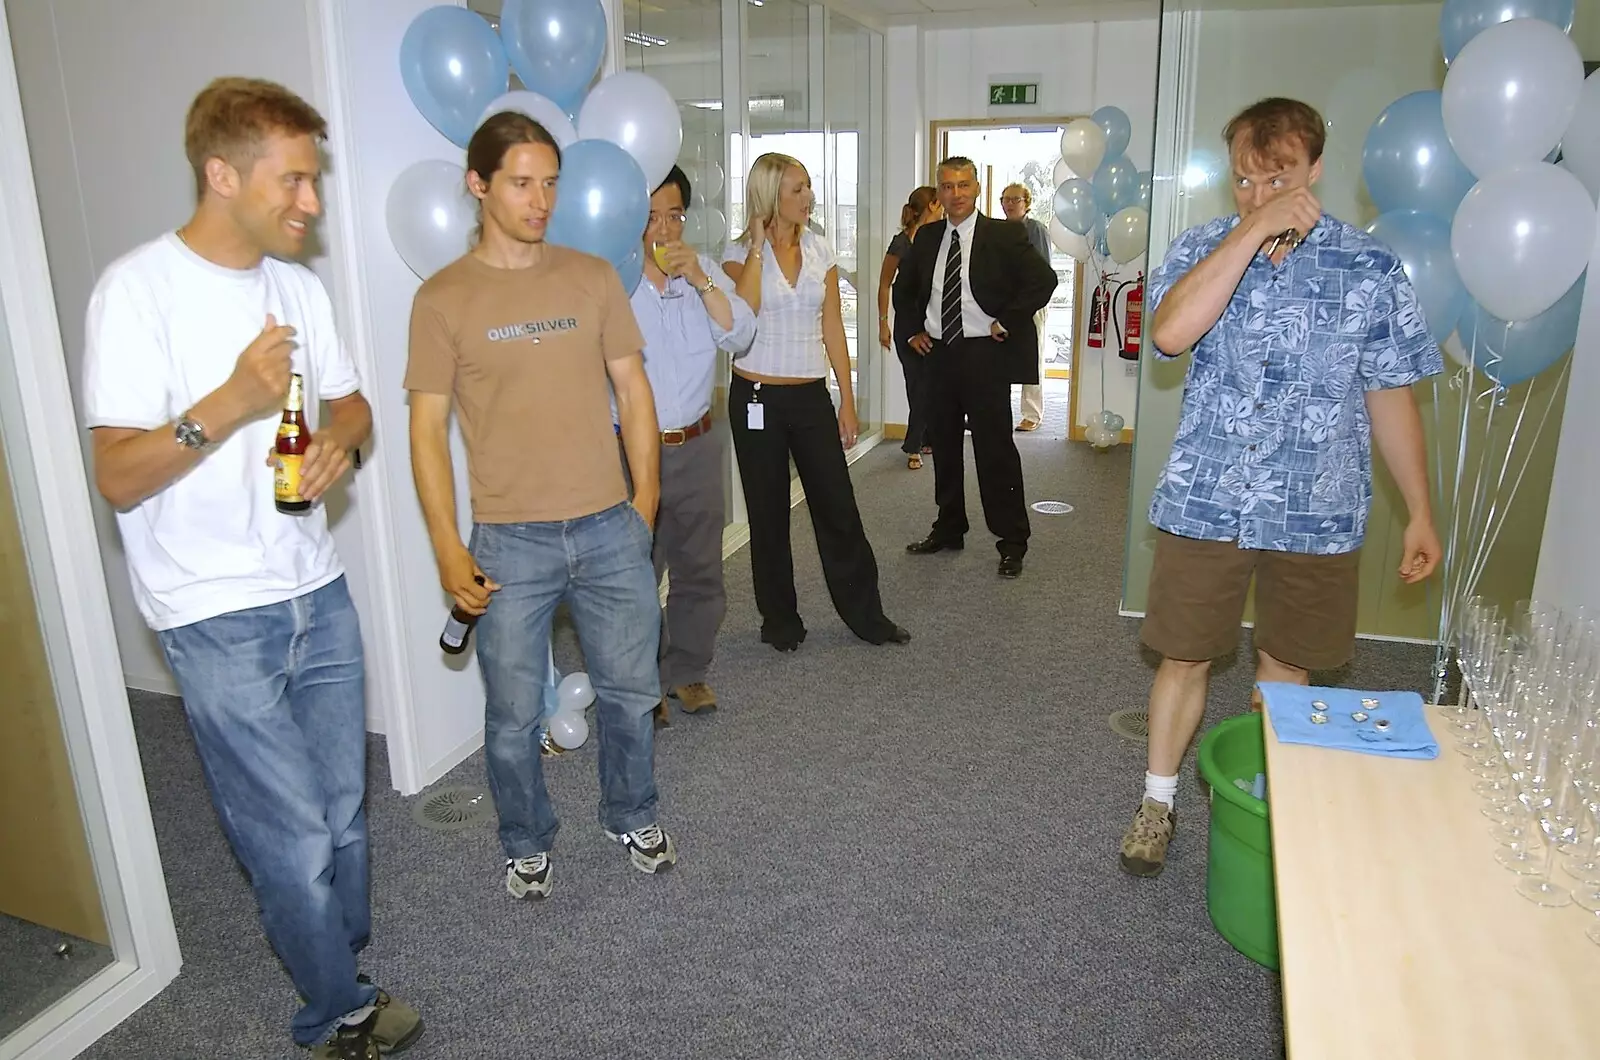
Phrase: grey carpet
pixel 33 976
pixel 887 852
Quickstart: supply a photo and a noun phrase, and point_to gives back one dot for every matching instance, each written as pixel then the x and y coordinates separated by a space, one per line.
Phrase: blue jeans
pixel 274 697
pixel 600 565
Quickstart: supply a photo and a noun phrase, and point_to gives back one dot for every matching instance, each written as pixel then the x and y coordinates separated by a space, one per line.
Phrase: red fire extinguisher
pixel 1134 328
pixel 1099 314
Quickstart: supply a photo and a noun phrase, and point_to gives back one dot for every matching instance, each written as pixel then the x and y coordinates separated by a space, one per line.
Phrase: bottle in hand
pixel 458 628
pixel 294 438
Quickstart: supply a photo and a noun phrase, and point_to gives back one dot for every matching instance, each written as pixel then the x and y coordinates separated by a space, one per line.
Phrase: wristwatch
pixel 710 285
pixel 191 434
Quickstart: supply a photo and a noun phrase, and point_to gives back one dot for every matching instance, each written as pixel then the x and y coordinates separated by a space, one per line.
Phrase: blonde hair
pixel 761 190
pixel 233 117
pixel 1027 196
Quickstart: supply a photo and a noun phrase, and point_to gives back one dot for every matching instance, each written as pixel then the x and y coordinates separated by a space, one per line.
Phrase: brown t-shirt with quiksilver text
pixel 524 352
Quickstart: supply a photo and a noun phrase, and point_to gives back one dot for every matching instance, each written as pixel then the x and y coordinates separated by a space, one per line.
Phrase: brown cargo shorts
pixel 1305 605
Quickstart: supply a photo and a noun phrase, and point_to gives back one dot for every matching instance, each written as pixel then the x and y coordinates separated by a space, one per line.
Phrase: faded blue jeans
pixel 600 565
pixel 275 699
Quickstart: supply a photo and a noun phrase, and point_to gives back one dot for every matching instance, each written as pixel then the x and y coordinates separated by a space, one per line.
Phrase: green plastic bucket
pixel 1239 894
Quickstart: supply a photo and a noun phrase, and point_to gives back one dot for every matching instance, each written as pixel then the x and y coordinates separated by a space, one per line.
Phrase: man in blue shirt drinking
pixel 685 317
pixel 1307 338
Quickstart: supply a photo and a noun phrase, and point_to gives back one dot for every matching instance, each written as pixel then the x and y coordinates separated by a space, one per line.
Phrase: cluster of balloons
pixel 1105 430
pixel 564 704
pixel 1107 212
pixel 1493 231
pixel 618 140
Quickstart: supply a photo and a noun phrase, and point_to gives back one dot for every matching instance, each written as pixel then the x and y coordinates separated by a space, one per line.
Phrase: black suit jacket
pixel 1009 281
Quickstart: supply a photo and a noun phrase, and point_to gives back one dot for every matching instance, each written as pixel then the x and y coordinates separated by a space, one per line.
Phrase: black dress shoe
pixel 934 543
pixel 888 633
pixel 1010 566
pixel 784 639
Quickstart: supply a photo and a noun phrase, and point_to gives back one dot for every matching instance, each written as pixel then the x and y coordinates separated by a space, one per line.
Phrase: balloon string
pixel 1477 523
pixel 1493 496
pixel 1533 447
pixel 1453 546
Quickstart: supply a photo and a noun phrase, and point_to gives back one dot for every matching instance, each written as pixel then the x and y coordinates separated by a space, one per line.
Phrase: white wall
pixel 943 74
pixel 104 94
pixel 1569 559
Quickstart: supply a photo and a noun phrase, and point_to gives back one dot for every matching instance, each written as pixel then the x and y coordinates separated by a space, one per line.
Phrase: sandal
pixel 914 461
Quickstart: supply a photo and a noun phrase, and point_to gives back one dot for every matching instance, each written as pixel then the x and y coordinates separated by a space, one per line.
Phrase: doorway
pixel 1027 153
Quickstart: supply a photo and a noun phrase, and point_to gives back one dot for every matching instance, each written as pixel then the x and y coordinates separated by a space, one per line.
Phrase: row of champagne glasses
pixel 1529 724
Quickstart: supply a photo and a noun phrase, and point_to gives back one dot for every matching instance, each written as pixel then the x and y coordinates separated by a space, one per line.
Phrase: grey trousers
pixel 688 549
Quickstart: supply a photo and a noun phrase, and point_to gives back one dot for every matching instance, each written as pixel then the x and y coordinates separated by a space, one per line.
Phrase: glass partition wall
pixel 786 76
pixel 1349 62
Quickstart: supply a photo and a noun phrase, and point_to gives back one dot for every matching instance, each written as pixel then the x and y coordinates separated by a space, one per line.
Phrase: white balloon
pixel 636 113
pixel 430 216
pixel 574 693
pixel 1128 233
pixel 544 111
pixel 1061 173
pixel 1083 146
pixel 569 729
pixel 1510 93
pixel 1522 236
pixel 705 227
pixel 707 178
pixel 1580 145
pixel 1069 242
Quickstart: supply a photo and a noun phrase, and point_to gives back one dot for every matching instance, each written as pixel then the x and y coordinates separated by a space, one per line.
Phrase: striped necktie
pixel 950 302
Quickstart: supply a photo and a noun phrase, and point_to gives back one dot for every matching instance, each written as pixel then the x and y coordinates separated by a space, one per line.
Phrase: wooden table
pixel 1401 937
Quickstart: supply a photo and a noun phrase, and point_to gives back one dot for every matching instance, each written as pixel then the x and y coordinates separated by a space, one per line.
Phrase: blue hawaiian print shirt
pixel 1274 447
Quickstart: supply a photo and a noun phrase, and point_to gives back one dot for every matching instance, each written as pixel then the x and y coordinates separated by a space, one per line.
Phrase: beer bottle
pixel 294 438
pixel 458 627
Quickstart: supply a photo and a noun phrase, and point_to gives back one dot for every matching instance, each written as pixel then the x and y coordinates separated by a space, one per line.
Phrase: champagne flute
pixel 659 252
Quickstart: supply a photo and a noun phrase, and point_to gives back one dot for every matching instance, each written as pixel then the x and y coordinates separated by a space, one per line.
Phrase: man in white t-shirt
pixel 250 603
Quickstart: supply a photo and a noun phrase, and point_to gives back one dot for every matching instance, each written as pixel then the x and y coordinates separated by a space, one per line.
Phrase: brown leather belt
pixel 679 435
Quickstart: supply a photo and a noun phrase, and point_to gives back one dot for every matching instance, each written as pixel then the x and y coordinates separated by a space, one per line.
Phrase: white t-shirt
pixel 165 328
pixel 789 326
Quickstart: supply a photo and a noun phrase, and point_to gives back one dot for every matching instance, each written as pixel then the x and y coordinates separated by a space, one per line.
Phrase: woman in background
pixel 1016 200
pixel 779 407
pixel 922 207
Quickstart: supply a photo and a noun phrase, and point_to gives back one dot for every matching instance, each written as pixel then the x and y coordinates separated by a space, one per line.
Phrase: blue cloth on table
pixel 1408 735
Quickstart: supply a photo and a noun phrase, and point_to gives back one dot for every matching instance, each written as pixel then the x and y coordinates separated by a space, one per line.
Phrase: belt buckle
pixel 677 436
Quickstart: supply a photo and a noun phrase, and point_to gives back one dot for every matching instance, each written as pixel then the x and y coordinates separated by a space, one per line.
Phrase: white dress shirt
pixel 681 342
pixel 788 341
pixel 975 323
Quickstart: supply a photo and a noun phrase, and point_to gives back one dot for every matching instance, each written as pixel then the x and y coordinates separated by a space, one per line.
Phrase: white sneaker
pixel 649 848
pixel 529 877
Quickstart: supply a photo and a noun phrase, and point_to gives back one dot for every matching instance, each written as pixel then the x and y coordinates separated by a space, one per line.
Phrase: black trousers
pixel 915 367
pixel 964 392
pixel 799 421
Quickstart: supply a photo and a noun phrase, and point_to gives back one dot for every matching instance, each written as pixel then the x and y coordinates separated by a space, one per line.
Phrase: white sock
pixel 1161 789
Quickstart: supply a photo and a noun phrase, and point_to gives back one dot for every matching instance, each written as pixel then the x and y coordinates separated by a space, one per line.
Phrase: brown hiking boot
pixel 661 714
pixel 1144 845
pixel 695 698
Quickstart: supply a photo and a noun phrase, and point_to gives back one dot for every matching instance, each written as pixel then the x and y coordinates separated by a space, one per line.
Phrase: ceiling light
pixel 645 39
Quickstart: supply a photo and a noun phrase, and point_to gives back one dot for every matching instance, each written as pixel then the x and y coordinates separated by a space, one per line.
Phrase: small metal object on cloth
pixel 1370 704
pixel 1359 716
pixel 1318 718
pixel 1382 724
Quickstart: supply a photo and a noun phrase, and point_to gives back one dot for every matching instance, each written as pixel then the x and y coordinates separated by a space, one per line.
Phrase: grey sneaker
pixel 1144 846
pixel 529 877
pixel 649 848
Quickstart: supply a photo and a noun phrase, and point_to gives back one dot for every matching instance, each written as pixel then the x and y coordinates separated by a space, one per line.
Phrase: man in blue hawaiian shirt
pixel 1307 338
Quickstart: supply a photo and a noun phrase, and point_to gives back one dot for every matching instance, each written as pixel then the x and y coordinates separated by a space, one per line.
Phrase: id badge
pixel 756 416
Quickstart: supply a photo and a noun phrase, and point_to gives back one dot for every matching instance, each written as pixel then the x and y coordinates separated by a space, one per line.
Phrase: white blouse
pixel 789 326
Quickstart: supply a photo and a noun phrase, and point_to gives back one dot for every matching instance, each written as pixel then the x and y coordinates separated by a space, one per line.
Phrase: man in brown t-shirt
pixel 524 337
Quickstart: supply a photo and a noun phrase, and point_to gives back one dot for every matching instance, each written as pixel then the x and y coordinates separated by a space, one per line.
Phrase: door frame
pixel 43 444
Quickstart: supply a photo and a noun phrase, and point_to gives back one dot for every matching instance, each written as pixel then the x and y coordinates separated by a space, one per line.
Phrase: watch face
pixel 191 434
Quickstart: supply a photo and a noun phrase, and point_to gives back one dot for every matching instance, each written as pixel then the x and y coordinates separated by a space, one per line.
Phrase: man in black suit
pixel 976 284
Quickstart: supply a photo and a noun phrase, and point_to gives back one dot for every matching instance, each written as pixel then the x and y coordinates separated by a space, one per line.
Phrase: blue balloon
pixel 1510 353
pixel 1116 185
pixel 555 46
pixel 1113 121
pixel 1422 242
pixel 453 66
pixel 1408 162
pixel 1461 20
pixel 602 204
pixel 1144 188
pixel 631 271
pixel 1075 206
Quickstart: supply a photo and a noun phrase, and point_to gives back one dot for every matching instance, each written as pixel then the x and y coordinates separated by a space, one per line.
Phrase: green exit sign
pixel 1013 95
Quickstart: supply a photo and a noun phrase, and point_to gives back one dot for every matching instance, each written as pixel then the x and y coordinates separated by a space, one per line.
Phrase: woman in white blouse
pixel 779 407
